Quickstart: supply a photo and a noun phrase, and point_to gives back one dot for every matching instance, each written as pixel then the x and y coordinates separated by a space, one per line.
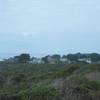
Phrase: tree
pixel 95 57
pixel 23 58
pixel 56 58
pixel 64 56
pixel 72 57
pixel 45 59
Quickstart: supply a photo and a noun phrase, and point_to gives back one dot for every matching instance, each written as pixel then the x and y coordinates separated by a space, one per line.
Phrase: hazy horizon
pixel 49 27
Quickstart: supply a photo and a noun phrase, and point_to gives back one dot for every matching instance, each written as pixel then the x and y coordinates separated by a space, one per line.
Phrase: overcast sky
pixel 49 26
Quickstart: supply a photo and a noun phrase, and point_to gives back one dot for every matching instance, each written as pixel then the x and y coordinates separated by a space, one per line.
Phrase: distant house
pixel 51 60
pixel 36 61
pixel 87 60
pixel 65 60
pixel 40 61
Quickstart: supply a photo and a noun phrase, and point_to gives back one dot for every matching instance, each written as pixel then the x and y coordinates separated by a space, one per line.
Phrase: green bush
pixel 40 93
pixel 90 85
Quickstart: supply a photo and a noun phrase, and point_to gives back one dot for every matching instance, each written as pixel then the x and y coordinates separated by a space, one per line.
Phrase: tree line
pixel 26 58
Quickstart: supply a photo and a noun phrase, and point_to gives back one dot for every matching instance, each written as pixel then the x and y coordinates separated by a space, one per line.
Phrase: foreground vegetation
pixel 77 81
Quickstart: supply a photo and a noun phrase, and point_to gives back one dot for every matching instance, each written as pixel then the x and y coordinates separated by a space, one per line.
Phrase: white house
pixel 87 60
pixel 36 61
pixel 65 60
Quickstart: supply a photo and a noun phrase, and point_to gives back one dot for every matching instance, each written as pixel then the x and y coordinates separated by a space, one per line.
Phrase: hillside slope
pixel 78 81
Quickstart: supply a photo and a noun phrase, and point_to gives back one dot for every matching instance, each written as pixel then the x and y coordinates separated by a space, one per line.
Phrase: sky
pixel 49 26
